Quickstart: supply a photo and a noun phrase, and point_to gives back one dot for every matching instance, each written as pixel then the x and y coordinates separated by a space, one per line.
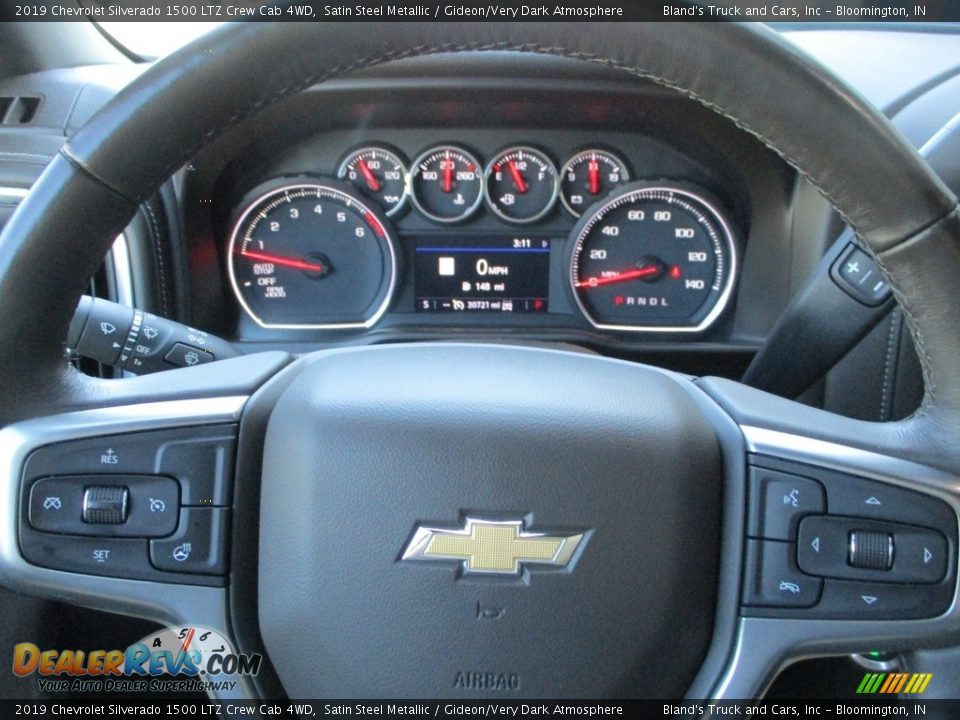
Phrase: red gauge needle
pixel 593 168
pixel 447 175
pixel 368 175
pixel 645 271
pixel 517 177
pixel 284 261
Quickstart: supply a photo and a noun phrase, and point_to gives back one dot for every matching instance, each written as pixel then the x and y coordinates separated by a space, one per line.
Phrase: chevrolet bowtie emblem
pixel 492 547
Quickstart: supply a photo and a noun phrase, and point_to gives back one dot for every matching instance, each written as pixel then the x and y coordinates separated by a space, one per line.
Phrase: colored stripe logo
pixel 894 683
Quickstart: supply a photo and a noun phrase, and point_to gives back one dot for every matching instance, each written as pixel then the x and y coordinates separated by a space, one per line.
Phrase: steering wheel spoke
pixel 846 548
pixel 125 509
pixel 677 500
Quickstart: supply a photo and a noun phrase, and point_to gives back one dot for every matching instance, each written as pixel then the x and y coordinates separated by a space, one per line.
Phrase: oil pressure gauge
pixel 378 173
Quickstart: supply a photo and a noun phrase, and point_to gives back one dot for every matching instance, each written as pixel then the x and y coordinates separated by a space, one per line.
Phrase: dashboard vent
pixel 18 110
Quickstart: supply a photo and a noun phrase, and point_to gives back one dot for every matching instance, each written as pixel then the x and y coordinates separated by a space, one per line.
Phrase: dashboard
pixel 579 206
pixel 314 253
pixel 396 148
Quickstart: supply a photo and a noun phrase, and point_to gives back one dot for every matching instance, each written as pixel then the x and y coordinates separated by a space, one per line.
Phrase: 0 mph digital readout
pixel 463 274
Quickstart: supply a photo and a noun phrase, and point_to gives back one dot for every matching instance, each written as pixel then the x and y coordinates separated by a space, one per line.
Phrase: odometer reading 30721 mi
pixel 653 258
pixel 502 274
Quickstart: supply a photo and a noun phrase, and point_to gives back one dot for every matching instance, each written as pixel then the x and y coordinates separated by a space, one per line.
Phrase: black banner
pixel 795 710
pixel 788 11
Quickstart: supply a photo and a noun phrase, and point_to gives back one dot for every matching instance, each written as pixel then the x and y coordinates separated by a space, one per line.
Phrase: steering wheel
pixel 447 519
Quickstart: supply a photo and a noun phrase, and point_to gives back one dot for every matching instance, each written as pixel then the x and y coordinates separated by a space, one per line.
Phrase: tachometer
pixel 311 255
pixel 655 258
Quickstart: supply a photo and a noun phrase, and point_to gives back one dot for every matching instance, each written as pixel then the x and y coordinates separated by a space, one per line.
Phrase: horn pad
pixel 369 448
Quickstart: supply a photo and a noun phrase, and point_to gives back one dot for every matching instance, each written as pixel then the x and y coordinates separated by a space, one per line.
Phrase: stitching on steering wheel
pixel 421 50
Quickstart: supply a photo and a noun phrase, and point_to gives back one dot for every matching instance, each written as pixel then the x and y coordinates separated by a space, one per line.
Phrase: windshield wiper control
pixel 139 342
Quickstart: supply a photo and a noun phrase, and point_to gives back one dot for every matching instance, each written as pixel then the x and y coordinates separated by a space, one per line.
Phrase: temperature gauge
pixel 377 173
pixel 588 176
pixel 446 184
pixel 521 185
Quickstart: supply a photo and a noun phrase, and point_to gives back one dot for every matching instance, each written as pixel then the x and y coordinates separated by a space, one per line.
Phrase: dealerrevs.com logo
pixel 178 659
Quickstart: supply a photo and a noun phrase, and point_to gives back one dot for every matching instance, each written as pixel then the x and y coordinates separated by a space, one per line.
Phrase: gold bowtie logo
pixel 492 547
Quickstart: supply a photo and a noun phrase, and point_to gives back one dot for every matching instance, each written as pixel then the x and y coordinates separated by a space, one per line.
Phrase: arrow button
pixel 927 556
pixel 869 599
pixel 815 544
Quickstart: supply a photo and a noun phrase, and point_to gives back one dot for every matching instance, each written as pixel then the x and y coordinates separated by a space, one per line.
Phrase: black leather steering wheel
pixel 355 451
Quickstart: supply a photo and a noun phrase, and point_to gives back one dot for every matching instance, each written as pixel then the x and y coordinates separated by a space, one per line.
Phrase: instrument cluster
pixel 445 183
pixel 309 251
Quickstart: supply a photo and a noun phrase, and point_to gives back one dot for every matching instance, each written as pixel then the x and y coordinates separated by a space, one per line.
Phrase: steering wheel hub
pixel 440 514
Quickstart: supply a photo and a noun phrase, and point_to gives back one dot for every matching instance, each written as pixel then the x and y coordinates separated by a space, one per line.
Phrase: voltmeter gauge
pixel 378 173
pixel 588 176
pixel 446 184
pixel 521 185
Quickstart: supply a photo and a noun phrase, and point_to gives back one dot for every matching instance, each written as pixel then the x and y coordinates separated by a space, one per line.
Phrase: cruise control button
pixel 56 505
pixel 779 500
pixel 773 579
pixel 200 458
pixel 151 510
pixel 92 556
pixel 105 504
pixel 112 454
pixel 198 546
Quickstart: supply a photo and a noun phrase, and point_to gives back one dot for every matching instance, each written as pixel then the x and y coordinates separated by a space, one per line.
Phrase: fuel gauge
pixel 521 185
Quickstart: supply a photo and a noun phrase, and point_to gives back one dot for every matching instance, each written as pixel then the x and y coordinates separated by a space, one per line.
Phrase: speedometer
pixel 311 255
pixel 653 258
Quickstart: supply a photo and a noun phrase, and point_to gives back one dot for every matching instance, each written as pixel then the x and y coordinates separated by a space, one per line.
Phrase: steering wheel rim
pixel 898 208
pixel 851 154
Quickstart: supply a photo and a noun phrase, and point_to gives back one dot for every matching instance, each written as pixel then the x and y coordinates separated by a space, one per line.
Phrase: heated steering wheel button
pixel 779 501
pixel 198 546
pixel 773 578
